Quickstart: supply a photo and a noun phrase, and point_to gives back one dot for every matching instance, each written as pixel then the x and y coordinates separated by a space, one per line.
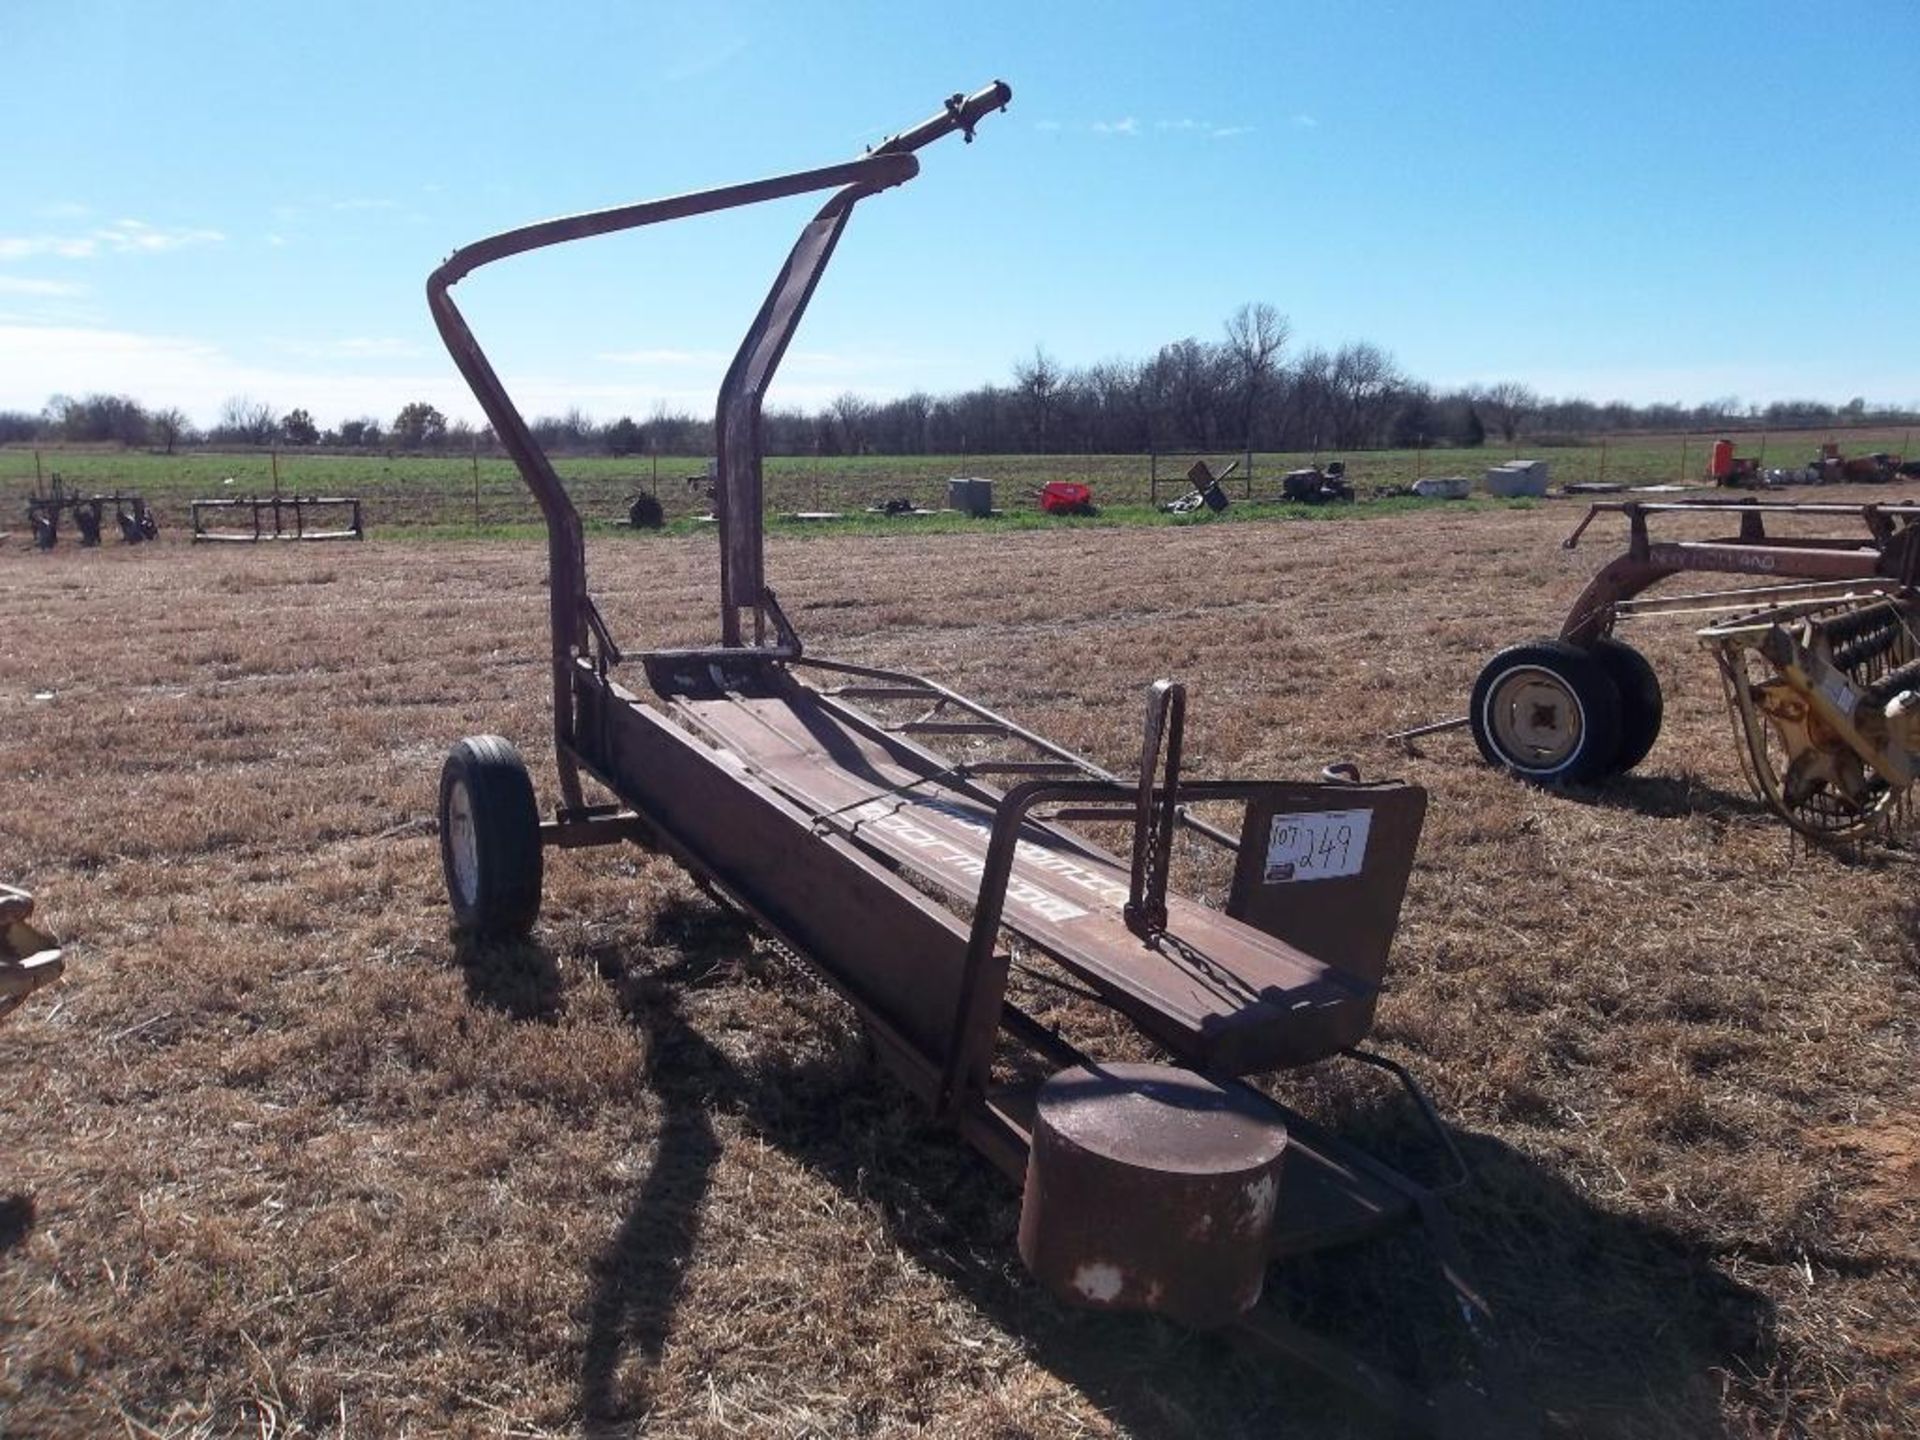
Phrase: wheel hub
pixel 462 843
pixel 1535 718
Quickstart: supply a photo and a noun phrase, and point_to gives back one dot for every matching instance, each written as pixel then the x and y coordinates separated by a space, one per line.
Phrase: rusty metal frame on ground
pixel 799 790
pixel 279 517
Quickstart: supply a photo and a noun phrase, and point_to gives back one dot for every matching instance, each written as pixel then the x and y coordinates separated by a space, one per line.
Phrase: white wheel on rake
pixel 1548 712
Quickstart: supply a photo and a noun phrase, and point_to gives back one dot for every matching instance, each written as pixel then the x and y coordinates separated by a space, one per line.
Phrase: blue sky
pixel 1682 200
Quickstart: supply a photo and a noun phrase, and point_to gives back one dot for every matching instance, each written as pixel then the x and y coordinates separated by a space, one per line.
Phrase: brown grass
pixel 277 1159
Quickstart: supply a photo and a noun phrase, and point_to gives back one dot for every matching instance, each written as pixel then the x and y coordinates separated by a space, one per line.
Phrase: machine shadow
pixel 16 1220
pixel 519 978
pixel 1618 1327
pixel 1670 797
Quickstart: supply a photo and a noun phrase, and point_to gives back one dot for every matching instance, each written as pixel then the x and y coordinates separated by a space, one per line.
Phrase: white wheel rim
pixel 1535 718
pixel 463 844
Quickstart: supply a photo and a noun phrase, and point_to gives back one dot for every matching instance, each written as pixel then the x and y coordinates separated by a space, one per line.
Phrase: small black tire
pixel 1641 705
pixel 490 838
pixel 1548 712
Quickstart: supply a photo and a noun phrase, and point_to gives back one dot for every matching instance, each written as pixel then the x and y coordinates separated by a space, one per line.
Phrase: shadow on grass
pixel 1671 797
pixel 1618 1327
pixel 16 1220
pixel 520 978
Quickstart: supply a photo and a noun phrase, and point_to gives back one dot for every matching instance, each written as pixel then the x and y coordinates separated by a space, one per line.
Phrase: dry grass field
pixel 279 1158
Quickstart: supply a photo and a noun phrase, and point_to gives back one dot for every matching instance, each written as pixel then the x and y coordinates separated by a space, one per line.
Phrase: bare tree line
pixel 1244 391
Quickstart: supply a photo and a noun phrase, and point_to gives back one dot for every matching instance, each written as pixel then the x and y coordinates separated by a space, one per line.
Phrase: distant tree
pixel 363 433
pixel 97 419
pixel 1473 433
pixel 297 428
pixel 1038 383
pixel 1363 385
pixel 1415 421
pixel 17 426
pixel 1510 404
pixel 1256 334
pixel 852 416
pixel 245 421
pixel 418 426
pixel 623 437
pixel 169 427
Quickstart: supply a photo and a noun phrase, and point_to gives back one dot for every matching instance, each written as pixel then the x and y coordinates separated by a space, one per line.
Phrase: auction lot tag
pixel 1317 845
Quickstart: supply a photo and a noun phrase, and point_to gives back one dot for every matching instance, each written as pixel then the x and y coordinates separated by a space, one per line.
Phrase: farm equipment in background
pixel 1066 497
pixel 278 517
pixel 644 511
pixel 1315 486
pixel 1730 471
pixel 1207 490
pixel 131 516
pixel 29 957
pixel 803 792
pixel 1820 664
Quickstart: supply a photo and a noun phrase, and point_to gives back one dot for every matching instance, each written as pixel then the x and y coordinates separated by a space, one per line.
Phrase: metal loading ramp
pixel 1222 996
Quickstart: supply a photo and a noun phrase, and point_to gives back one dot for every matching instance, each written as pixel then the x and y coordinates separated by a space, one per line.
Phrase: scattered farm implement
pixel 1819 659
pixel 255 518
pixel 89 514
pixel 807 793
pixel 29 957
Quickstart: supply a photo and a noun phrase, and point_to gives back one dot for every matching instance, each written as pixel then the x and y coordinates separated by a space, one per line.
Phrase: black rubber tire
pixel 1641 705
pixel 1579 678
pixel 490 838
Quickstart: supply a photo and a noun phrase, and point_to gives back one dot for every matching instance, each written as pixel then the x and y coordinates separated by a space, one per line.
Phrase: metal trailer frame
pixel 776 779
pixel 271 518
pixel 1889 550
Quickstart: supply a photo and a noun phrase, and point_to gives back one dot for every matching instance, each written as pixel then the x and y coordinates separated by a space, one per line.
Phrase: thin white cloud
pixel 42 289
pixel 1306 122
pixel 1182 125
pixel 122 237
pixel 362 202
pixel 62 210
pixel 1046 124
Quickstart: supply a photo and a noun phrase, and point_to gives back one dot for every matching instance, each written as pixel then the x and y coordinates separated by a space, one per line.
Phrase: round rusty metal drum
pixel 1151 1188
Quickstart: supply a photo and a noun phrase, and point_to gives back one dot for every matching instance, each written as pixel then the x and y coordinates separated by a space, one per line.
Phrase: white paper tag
pixel 1840 694
pixel 1317 845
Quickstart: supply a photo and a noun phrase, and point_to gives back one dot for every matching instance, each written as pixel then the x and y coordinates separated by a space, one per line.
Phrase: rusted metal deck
pixel 1221 995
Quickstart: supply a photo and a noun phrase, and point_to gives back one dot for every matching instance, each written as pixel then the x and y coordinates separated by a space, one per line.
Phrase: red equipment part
pixel 1066 497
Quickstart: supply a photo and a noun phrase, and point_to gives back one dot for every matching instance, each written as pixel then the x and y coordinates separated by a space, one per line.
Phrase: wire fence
pixel 484 491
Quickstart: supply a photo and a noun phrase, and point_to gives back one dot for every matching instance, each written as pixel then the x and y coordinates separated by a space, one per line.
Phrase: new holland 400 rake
pixel 804 791
pixel 1819 660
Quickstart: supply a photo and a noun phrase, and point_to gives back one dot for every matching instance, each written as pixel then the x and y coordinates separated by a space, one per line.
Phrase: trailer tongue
pixel 808 793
